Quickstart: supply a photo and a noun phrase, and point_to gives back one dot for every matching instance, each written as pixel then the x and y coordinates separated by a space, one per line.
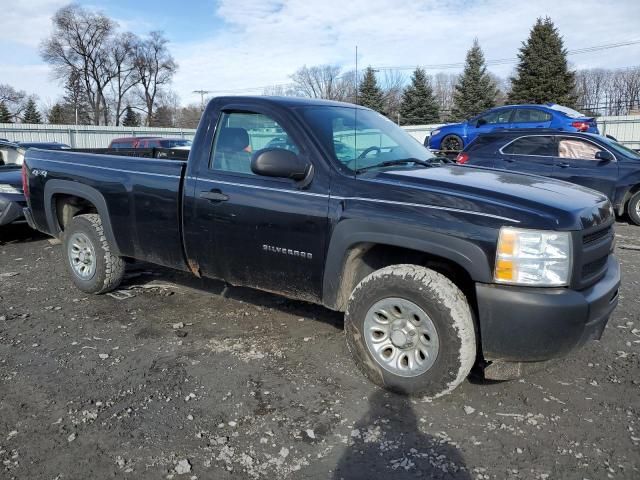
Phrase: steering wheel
pixel 367 151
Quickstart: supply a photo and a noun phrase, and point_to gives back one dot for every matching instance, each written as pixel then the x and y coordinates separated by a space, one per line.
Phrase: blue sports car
pixel 454 137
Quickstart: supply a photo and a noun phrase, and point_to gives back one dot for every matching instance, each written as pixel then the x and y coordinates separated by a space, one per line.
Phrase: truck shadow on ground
pixel 140 273
pixel 19 232
pixel 388 443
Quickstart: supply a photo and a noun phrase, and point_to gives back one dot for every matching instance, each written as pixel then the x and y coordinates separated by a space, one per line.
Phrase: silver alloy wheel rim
pixel 82 256
pixel 401 337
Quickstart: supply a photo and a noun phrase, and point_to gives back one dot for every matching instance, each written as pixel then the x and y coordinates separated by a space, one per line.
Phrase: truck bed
pixel 142 198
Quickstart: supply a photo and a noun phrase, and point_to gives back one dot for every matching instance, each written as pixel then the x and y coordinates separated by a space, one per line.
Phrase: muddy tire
pixel 93 268
pixel 633 208
pixel 410 330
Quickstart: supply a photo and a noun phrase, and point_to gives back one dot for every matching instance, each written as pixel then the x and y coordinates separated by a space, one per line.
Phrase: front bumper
pixel 10 210
pixel 525 324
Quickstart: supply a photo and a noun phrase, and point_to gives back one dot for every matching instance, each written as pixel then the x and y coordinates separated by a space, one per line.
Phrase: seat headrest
pixel 233 139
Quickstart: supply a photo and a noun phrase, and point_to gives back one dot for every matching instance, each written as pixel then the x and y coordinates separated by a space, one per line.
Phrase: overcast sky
pixel 230 45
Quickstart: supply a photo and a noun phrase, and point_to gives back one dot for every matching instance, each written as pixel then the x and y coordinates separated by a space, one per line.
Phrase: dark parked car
pixel 435 266
pixel 586 159
pixel 12 199
pixel 454 137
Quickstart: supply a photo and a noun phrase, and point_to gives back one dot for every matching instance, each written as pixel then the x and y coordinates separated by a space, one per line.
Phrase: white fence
pixel 626 129
pixel 84 136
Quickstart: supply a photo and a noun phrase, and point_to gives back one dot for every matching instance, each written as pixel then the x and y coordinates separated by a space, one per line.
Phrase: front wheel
pixel 633 208
pixel 410 330
pixel 93 268
pixel 452 143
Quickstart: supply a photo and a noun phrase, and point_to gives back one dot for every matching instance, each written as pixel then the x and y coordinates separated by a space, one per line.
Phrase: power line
pixel 441 66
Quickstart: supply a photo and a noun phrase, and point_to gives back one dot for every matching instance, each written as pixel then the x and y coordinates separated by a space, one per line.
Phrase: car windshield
pixel 619 148
pixel 175 143
pixel 361 140
pixel 569 112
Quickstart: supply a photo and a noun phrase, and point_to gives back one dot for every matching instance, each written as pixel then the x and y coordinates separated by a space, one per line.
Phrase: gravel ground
pixel 181 378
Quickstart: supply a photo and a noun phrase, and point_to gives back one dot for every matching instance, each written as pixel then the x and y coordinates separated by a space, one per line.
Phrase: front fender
pixel 350 233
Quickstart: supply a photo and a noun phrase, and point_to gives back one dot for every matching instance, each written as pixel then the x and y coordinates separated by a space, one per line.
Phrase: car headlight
pixel 5 188
pixel 533 257
pixel 434 132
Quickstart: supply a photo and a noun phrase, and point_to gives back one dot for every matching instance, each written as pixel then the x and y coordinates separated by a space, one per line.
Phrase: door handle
pixel 564 165
pixel 509 160
pixel 214 196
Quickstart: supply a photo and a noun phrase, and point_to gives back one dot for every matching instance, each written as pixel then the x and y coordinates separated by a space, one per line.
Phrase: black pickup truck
pixel 437 267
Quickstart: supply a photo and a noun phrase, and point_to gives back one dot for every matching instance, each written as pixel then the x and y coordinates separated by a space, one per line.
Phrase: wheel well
pixel 630 193
pixel 365 258
pixel 68 206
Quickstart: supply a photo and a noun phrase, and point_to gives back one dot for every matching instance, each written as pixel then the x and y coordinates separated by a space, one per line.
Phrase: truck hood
pixel 560 205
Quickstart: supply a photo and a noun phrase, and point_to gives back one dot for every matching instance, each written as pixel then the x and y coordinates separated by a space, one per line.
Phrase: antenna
pixel 355 120
pixel 202 94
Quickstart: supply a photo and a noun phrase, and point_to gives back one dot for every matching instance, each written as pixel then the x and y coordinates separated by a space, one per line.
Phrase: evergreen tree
pixel 56 115
pixel 31 114
pixel 131 118
pixel 542 74
pixel 5 115
pixel 75 100
pixel 475 90
pixel 418 105
pixel 162 117
pixel 369 93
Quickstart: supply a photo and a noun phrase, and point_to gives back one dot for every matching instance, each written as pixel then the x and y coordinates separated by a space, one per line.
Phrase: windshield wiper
pixel 391 163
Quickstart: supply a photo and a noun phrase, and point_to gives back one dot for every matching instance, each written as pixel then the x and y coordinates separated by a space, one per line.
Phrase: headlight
pixel 533 257
pixel 434 132
pixel 4 188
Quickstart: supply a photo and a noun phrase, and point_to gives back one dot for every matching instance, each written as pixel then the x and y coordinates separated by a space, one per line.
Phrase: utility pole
pixel 202 94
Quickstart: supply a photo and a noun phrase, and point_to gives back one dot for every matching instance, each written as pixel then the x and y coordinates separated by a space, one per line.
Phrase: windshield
pixel 569 112
pixel 175 143
pixel 619 148
pixel 361 139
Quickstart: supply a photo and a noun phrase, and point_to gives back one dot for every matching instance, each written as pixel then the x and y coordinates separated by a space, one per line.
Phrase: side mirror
pixel 605 156
pixel 480 122
pixel 278 162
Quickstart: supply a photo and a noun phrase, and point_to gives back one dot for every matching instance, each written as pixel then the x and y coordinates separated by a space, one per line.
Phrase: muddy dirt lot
pixel 180 378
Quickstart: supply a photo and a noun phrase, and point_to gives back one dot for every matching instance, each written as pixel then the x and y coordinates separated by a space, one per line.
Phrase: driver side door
pixel 256 231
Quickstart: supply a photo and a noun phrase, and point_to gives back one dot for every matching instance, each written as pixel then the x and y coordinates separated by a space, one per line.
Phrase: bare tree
pixel 155 68
pixel 125 74
pixel 444 85
pixel 608 92
pixel 392 84
pixel 14 100
pixel 78 46
pixel 323 81
pixel 189 116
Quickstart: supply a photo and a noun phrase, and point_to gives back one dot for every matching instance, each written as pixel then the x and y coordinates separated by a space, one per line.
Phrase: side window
pixel 576 148
pixel 491 118
pixel 239 134
pixel 530 115
pixel 538 145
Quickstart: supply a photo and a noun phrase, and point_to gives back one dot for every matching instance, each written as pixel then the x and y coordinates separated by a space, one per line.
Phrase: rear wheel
pixel 410 330
pixel 633 208
pixel 93 268
pixel 452 143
